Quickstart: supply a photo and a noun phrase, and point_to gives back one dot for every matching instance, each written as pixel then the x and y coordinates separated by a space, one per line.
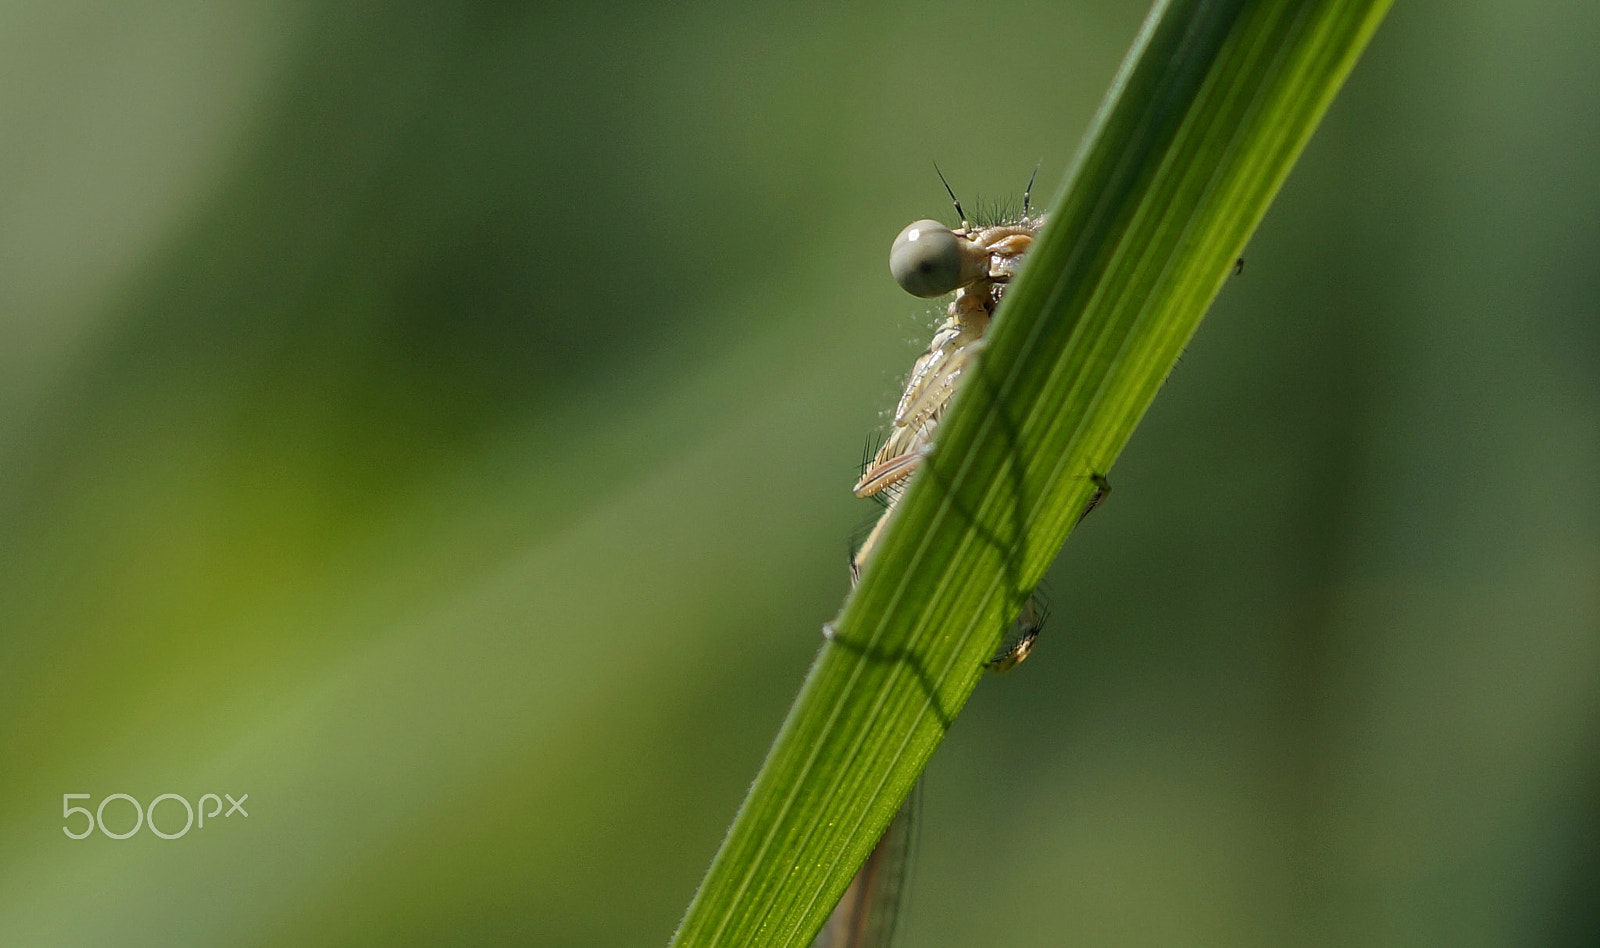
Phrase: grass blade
pixel 1200 128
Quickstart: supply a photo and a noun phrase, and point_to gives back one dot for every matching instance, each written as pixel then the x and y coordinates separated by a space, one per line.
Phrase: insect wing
pixel 866 915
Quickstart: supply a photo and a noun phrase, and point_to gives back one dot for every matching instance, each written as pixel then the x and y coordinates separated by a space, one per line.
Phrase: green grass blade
pixel 1201 125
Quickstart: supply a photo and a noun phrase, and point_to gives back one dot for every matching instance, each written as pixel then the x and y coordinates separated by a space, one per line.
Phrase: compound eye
pixel 928 260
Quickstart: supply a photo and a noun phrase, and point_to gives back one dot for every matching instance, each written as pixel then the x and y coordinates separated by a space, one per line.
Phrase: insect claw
pixel 1102 490
pixel 1014 655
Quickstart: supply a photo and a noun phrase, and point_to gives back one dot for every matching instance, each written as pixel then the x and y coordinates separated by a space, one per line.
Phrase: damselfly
pixel 929 260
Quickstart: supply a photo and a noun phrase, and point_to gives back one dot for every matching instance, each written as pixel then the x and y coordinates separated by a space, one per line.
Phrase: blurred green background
pixel 437 421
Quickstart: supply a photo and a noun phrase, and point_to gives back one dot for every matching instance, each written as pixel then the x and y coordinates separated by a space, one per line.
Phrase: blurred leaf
pixel 1208 114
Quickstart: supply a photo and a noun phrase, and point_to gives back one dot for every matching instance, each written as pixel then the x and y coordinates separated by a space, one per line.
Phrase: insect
pixel 928 260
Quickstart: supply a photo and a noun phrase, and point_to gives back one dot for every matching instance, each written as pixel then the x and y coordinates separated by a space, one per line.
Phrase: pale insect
pixel 928 260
